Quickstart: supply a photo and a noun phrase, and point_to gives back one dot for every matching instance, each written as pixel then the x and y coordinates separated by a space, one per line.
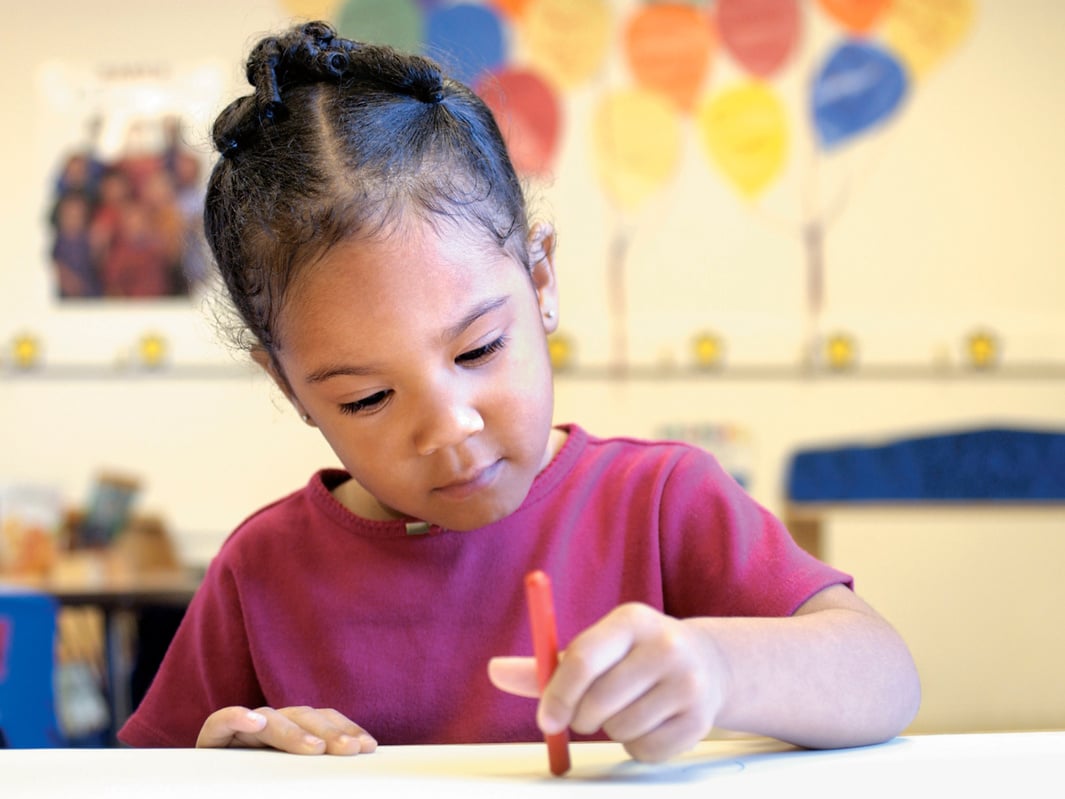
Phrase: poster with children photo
pixel 125 198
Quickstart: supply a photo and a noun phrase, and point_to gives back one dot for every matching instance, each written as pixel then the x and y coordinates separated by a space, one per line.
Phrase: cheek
pixel 527 398
pixel 529 378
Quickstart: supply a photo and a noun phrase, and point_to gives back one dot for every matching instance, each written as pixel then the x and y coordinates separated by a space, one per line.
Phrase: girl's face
pixel 422 358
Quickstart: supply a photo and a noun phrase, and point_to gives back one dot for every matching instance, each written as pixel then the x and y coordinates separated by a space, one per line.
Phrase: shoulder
pixel 295 515
pixel 638 456
pixel 624 468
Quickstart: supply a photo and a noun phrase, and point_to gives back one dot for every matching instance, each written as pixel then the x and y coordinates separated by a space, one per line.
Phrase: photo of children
pixel 130 227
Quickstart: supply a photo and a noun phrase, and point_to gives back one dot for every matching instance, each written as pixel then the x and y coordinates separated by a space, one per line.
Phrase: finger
pixel 587 657
pixel 629 681
pixel 660 677
pixel 285 733
pixel 646 714
pixel 342 736
pixel 222 727
pixel 676 735
pixel 514 675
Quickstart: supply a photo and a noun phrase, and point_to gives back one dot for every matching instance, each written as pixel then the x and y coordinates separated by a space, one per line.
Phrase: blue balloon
pixel 466 39
pixel 860 86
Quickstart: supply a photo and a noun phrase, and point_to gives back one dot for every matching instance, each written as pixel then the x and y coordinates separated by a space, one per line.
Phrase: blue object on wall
pixel 984 464
pixel 860 87
pixel 467 38
pixel 27 670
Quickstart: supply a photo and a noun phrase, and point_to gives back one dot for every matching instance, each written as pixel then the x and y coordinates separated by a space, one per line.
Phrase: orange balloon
pixel 922 32
pixel 567 40
pixel 513 9
pixel 669 47
pixel 857 16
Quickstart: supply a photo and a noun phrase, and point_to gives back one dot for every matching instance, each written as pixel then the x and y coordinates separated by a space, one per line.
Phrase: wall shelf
pixel 102 373
pixel 768 373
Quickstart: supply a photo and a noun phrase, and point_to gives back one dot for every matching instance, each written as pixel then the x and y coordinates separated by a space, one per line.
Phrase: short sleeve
pixel 207 667
pixel 724 554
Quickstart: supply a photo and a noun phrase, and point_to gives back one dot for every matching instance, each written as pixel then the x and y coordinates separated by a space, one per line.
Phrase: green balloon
pixel 393 22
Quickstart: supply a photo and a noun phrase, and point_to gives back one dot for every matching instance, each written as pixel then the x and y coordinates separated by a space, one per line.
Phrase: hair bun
pixel 313 53
pixel 321 32
pixel 424 82
pixel 335 62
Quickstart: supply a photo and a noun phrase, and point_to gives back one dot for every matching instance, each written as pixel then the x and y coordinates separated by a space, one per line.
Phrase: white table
pixel 1011 764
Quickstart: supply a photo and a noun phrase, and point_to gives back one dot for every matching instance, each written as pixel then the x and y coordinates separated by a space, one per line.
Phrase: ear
pixel 541 246
pixel 269 365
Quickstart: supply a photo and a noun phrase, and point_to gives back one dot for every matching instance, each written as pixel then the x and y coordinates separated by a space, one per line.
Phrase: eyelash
pixel 473 357
pixel 481 353
pixel 368 403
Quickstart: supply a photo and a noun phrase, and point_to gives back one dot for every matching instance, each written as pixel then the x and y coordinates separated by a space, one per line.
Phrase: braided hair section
pixel 338 140
pixel 313 53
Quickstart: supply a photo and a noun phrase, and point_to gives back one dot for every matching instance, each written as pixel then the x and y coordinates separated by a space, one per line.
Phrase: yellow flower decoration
pixel 26 351
pixel 982 349
pixel 708 350
pixel 152 350
pixel 841 351
pixel 561 350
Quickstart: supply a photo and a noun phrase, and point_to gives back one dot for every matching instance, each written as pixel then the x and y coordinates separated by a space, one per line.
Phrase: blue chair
pixel 27 670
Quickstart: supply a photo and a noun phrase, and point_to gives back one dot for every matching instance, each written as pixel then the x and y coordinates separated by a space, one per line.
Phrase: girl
pixel 373 236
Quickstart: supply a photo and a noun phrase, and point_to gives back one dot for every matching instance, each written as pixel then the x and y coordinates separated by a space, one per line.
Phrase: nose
pixel 447 422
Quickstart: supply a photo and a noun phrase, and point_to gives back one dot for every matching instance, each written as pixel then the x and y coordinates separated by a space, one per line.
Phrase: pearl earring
pixel 306 417
pixel 550 314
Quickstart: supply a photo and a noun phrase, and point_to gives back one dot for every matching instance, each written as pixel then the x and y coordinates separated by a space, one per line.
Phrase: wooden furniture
pixel 809 521
pixel 119 596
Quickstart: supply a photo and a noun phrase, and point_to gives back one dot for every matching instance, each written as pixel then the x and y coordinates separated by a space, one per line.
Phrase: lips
pixel 469 483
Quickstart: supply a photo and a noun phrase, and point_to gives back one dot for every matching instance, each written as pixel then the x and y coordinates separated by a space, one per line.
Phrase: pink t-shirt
pixel 308 604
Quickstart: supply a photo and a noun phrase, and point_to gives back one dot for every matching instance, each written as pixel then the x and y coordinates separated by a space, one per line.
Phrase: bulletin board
pixel 740 187
pixel 122 272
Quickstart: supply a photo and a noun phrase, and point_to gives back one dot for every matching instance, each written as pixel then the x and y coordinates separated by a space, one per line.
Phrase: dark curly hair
pixel 338 139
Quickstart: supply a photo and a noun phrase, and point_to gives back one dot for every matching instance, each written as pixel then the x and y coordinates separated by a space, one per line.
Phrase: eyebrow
pixel 450 333
pixel 475 313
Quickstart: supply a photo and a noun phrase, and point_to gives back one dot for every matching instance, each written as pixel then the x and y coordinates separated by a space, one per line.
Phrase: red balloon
pixel 759 34
pixel 528 114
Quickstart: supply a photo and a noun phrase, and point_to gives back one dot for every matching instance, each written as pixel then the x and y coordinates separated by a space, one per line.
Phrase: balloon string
pixel 619 247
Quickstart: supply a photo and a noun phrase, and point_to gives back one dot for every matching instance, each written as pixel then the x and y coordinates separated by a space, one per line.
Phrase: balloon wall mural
pixel 720 72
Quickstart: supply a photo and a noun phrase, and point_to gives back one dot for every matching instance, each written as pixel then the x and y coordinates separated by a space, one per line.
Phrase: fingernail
pixel 367 743
pixel 258 718
pixel 311 740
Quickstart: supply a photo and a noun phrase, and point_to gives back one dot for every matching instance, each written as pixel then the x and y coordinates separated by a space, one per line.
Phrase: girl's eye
pixel 482 353
pixel 369 403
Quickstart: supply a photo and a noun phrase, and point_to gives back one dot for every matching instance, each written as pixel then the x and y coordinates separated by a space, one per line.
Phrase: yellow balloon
pixel 567 39
pixel 745 131
pixel 921 32
pixel 636 138
pixel 310 9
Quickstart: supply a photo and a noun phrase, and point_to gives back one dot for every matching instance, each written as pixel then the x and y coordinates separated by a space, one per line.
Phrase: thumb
pixel 515 675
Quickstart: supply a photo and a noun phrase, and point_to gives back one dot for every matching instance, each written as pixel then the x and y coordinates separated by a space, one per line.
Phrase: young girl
pixel 373 237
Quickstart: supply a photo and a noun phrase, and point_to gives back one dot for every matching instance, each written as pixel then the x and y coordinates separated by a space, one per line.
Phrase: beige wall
pixel 954 221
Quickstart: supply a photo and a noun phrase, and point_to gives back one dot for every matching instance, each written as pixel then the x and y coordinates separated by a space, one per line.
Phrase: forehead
pixel 415 273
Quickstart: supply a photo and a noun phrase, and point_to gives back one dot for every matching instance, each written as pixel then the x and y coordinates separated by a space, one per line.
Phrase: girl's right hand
pixel 300 730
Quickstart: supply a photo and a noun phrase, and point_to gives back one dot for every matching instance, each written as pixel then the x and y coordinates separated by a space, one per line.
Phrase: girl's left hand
pixel 651 682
